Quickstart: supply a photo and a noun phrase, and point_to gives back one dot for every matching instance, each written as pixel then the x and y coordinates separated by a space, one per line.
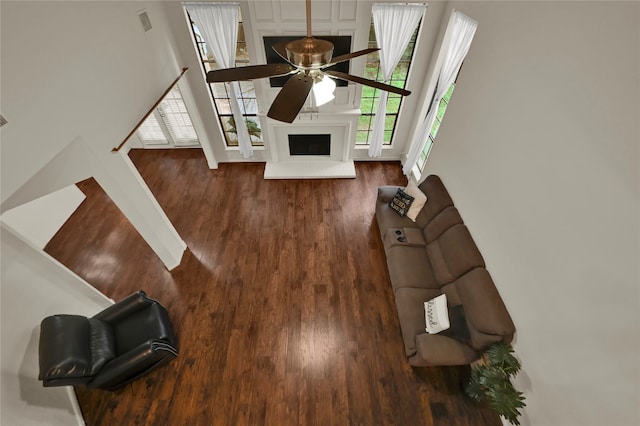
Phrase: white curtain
pixel 457 40
pixel 218 24
pixel 394 24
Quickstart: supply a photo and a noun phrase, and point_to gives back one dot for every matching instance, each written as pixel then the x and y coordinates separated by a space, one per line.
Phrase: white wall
pixel 30 222
pixel 33 287
pixel 71 68
pixel 76 77
pixel 540 151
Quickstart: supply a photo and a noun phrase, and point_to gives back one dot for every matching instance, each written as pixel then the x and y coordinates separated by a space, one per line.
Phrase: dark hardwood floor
pixel 282 303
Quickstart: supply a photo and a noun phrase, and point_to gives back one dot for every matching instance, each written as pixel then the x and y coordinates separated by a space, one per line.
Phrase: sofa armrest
pixel 125 307
pixel 133 364
pixel 386 193
pixel 436 350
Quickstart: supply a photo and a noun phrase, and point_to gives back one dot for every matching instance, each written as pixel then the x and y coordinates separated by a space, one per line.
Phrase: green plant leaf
pixel 474 388
pixel 501 355
pixel 490 382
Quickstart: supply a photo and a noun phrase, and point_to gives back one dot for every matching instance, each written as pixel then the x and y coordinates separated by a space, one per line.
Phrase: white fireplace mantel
pixel 341 126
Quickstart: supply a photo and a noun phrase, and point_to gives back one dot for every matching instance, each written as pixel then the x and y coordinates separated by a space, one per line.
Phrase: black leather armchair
pixel 109 350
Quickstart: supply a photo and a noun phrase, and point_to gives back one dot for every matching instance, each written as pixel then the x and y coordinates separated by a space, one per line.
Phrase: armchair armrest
pixel 125 307
pixel 133 364
pixel 436 350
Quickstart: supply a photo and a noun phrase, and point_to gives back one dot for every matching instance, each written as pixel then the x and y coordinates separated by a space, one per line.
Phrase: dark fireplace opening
pixel 310 144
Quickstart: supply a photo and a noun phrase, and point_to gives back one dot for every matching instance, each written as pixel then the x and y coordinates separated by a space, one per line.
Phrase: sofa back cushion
pixel 437 200
pixel 441 222
pixel 453 254
pixel 101 344
pixel 487 317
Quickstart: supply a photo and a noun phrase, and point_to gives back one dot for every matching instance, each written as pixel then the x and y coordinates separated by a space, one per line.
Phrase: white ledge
pixel 310 169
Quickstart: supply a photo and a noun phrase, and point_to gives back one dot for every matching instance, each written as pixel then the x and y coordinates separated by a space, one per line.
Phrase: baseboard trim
pixel 76 406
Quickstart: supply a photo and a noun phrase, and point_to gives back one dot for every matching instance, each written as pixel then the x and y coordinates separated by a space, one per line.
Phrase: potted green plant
pixel 490 381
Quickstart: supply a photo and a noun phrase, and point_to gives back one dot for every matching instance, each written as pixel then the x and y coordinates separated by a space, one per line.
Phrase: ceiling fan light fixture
pixel 306 60
pixel 309 52
pixel 323 90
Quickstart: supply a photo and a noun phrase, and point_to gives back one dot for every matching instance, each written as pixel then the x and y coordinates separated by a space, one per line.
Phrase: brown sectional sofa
pixel 435 255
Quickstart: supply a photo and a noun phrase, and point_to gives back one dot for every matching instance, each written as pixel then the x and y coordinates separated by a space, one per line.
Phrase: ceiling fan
pixel 307 61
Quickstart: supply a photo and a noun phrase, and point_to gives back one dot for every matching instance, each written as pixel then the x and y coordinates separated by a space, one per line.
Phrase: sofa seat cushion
pixel 487 316
pixel 409 267
pixel 453 254
pixel 410 305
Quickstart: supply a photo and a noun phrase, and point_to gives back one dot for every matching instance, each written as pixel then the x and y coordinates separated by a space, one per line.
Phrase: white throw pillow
pixel 419 200
pixel 436 314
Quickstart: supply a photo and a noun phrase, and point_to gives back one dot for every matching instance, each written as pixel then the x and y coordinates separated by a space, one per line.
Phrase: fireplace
pixel 310 144
pixel 312 148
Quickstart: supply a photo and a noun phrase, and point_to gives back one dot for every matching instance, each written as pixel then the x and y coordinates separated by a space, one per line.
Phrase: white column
pixel 120 179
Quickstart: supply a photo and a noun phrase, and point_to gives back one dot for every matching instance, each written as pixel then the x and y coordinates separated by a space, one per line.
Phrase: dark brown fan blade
pixel 280 49
pixel 348 56
pixel 291 99
pixel 367 82
pixel 248 73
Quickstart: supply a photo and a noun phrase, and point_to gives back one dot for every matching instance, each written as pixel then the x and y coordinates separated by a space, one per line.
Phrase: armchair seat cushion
pixel 144 325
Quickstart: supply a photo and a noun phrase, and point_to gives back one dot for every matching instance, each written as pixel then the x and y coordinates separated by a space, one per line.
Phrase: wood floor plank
pixel 282 303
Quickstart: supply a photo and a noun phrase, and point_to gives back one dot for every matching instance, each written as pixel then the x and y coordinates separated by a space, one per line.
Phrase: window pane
pixel 250 106
pixel 228 123
pixel 229 127
pixel 390 122
pixel 175 116
pixel 364 122
pixel 248 89
pixel 370 96
pixel 366 105
pixel 442 107
pixel 401 71
pixel 220 91
pixel 255 132
pixel 232 138
pixel 372 66
pixel 150 131
pixel 393 105
pixel 223 106
pixel 435 128
pixel 447 96
pixel 362 137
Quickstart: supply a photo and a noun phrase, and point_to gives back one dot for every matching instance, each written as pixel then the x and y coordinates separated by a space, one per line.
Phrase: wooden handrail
pixel 116 149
